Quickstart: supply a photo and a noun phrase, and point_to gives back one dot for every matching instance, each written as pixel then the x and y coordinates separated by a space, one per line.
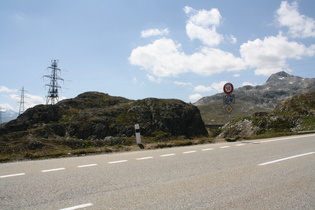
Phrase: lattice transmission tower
pixel 22 102
pixel 53 97
pixel 0 115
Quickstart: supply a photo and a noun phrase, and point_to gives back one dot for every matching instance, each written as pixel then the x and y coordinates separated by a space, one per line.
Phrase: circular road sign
pixel 228 88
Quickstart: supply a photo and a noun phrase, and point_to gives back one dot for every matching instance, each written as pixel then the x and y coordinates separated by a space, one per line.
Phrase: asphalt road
pixel 276 173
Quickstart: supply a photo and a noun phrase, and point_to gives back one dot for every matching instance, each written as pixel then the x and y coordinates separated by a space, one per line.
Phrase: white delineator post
pixel 137 130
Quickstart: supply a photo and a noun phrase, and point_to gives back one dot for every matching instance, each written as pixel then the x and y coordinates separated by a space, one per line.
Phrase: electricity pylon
pixel 53 97
pixel 22 102
pixel 0 115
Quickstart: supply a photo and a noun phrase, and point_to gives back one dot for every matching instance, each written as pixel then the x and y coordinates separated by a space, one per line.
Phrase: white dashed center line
pixel 207 149
pixel 89 165
pixel 118 161
pixel 238 145
pixel 12 175
pixel 78 206
pixel 223 147
pixel 187 152
pixel 167 155
pixel 54 169
pixel 144 158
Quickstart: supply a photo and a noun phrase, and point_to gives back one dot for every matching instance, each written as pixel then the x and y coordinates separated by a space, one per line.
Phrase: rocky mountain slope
pixel 98 119
pixel 95 122
pixel 251 99
pixel 289 116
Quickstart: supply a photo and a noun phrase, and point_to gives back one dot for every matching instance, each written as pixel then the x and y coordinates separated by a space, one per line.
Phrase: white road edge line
pixel 118 161
pixel 88 165
pixel 285 138
pixel 78 206
pixel 287 158
pixel 166 155
pixel 54 169
pixel 12 175
pixel 144 158
pixel 188 152
pixel 207 149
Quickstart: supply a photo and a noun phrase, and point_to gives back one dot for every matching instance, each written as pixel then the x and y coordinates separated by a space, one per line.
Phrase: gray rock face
pixel 259 98
pixel 95 115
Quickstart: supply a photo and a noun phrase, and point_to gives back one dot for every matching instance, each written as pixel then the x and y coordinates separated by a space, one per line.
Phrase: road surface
pixel 277 173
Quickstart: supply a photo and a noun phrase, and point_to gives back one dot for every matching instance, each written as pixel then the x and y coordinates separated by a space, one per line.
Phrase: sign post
pixel 228 99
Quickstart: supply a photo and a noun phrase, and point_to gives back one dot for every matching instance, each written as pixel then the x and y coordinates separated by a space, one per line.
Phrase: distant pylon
pixel 0 115
pixel 22 102
pixel 53 96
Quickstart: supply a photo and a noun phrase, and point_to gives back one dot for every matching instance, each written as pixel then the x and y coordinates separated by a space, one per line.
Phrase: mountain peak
pixel 281 75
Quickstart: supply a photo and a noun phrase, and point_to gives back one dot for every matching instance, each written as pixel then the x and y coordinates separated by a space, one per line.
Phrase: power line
pixel 53 97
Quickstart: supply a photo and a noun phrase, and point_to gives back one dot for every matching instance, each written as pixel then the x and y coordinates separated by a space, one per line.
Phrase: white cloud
pixel 201 88
pixel 4 107
pixel 182 83
pixel 300 26
pixel 203 17
pixel 162 58
pixel 217 87
pixel 7 90
pixel 195 97
pixel 29 100
pixel 236 75
pixel 33 100
pixel 154 32
pixel 202 25
pixel 269 56
pixel 231 39
pixel 247 83
pixel 165 58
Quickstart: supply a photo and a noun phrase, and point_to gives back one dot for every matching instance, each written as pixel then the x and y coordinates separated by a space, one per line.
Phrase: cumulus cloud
pixel 165 58
pixel 154 32
pixel 4 107
pixel 29 100
pixel 300 26
pixel 202 25
pixel 7 90
pixel 182 83
pixel 217 87
pixel 33 100
pixel 195 97
pixel 269 55
pixel 162 58
pixel 201 88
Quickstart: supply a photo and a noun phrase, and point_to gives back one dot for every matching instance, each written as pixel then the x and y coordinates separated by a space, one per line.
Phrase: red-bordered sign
pixel 228 88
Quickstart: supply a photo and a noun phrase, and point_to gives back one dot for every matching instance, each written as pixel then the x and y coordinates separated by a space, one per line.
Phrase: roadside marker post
pixel 138 136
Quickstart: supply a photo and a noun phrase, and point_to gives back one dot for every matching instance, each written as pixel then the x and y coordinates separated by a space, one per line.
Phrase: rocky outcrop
pixel 259 98
pixel 95 115
pixel 291 115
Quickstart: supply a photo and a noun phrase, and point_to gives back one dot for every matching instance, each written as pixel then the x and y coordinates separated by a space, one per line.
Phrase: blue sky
pixel 136 49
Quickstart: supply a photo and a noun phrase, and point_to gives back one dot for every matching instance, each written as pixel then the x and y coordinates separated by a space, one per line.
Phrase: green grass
pixel 58 148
